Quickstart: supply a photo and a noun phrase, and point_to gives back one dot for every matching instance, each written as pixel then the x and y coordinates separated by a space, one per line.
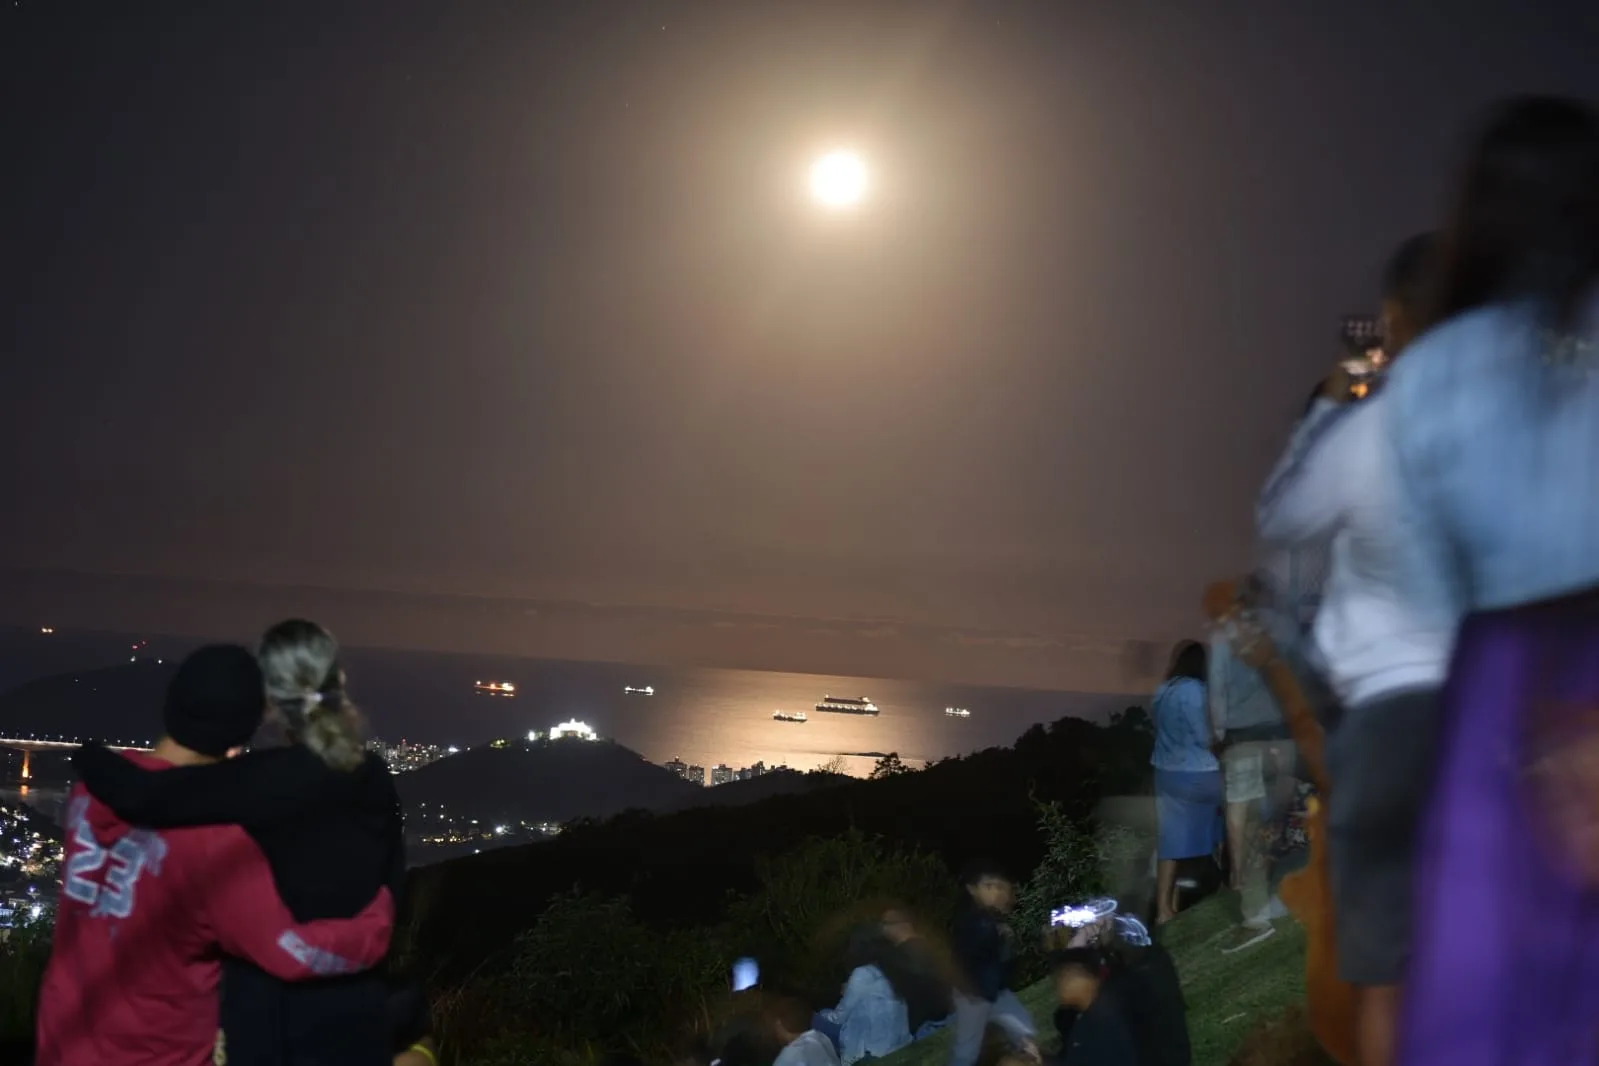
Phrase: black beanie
pixel 216 700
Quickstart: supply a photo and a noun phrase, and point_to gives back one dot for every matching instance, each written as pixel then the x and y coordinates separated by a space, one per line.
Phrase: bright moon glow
pixel 838 180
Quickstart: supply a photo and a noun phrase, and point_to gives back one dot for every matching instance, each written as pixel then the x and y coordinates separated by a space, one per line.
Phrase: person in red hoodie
pixel 146 916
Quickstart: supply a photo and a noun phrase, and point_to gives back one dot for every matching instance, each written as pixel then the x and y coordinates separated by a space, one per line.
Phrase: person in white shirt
pixel 1383 634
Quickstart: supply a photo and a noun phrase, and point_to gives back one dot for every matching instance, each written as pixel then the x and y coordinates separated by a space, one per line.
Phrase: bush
pixel 589 975
pixel 24 952
pixel 799 921
pixel 1081 860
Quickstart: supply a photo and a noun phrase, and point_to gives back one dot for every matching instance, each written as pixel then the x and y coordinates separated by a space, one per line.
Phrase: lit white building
pixel 574 728
pixel 721 774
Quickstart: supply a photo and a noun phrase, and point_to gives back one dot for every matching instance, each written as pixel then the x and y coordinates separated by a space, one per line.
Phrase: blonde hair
pixel 300 665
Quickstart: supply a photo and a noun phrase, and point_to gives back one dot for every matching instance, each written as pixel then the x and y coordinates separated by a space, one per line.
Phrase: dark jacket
pixel 332 840
pixel 921 979
pixel 1099 1036
pixel 1144 981
pixel 982 951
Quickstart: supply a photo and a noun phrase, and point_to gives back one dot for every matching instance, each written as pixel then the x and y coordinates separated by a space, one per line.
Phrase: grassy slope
pixel 1227 994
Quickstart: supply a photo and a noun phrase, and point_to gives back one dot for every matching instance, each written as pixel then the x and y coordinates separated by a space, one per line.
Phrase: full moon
pixel 838 180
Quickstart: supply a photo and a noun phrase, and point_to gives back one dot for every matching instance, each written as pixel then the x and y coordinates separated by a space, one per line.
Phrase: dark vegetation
pixel 779 782
pixel 619 935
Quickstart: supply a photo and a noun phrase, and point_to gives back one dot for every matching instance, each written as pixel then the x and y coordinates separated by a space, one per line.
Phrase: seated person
pixel 802 1046
pixel 1092 1024
pixel 1142 979
pixel 871 1018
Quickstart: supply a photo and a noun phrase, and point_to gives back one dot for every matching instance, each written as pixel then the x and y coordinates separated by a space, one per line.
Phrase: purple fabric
pixel 1505 969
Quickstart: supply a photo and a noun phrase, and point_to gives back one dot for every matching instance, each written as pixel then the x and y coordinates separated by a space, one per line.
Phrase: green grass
pixel 1228 995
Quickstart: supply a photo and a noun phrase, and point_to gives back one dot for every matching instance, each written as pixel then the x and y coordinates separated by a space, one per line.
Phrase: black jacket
pixel 982 951
pixel 921 979
pixel 332 838
pixel 1144 981
pixel 1099 1036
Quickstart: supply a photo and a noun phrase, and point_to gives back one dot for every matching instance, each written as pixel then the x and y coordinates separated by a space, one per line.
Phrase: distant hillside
pixel 677 869
pixel 780 782
pixel 113 703
pixel 544 781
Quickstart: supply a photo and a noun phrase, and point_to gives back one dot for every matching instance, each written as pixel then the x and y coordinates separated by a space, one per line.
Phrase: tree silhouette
pixel 890 766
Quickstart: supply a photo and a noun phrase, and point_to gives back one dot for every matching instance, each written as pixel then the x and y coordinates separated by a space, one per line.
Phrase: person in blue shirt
pixel 1188 777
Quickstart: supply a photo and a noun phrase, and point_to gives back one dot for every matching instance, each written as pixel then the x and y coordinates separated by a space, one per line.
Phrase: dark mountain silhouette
pixel 779 782
pixel 677 869
pixel 114 703
pixel 544 781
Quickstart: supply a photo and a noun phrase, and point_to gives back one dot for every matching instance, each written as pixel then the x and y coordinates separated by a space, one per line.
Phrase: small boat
pixel 647 690
pixel 957 712
pixel 846 705
pixel 494 688
pixel 789 716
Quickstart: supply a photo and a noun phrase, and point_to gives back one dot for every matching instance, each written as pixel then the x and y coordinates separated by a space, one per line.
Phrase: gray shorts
pixel 1382 761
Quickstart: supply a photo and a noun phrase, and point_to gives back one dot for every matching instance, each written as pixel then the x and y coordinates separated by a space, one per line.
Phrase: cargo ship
pixel 494 688
pixel 789 716
pixel 846 705
pixel 957 712
pixel 647 690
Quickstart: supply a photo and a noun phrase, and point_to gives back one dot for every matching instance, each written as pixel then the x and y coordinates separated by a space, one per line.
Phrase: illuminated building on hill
pixel 574 729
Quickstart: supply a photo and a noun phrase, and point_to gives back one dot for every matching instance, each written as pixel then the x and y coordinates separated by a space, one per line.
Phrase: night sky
pixel 526 299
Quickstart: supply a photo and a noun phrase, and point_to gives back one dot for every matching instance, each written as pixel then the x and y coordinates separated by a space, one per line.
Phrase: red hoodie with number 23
pixel 143 922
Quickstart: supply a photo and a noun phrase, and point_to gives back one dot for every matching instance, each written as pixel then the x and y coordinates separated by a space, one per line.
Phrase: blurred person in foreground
pixel 1251 740
pixel 1384 640
pixel 985 952
pixel 326 815
pixel 146 916
pixel 1494 430
pixel 1188 778
pixel 919 973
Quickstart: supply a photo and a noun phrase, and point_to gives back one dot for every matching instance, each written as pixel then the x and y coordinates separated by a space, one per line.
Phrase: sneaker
pixel 1246 936
pixel 1271 912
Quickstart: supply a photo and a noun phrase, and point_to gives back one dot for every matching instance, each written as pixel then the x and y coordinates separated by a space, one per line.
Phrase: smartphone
pixel 746 975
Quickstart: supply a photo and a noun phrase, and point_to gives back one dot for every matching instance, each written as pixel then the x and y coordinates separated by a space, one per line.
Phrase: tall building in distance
pixel 694 775
pixel 721 774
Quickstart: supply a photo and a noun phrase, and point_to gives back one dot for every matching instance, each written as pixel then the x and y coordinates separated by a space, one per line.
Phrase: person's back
pixel 331 834
pixel 145 916
pixel 1182 727
pixel 873 1021
pixel 1496 428
pixel 323 861
pixel 123 980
